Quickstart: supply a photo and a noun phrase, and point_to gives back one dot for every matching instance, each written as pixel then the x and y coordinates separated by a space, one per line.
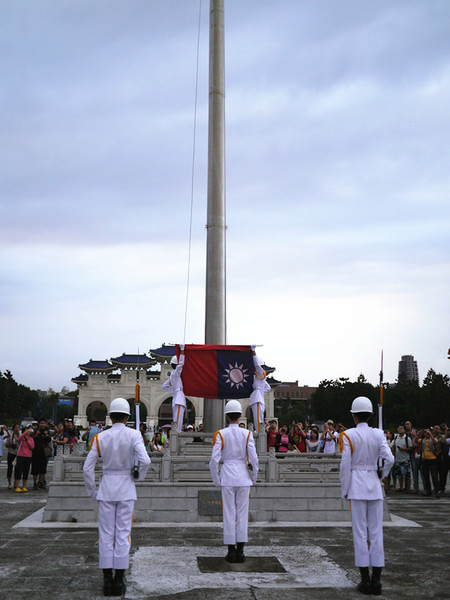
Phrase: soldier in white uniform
pixel 260 387
pixel 120 448
pixel 362 447
pixel 236 447
pixel 174 386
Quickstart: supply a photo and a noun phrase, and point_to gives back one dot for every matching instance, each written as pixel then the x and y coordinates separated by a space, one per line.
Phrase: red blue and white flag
pixel 214 371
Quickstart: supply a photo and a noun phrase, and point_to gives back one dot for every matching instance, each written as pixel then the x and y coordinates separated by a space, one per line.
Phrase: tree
pixel 16 400
pixel 48 403
pixel 402 402
pixel 333 398
pixel 436 388
pixel 424 406
pixel 290 409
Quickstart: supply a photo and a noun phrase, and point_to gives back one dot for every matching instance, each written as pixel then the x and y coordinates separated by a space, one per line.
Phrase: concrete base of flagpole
pixel 213 417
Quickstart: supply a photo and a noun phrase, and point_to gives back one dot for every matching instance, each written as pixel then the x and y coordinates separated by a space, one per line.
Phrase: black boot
pixel 376 581
pixel 240 552
pixel 119 586
pixel 231 556
pixel 107 582
pixel 364 586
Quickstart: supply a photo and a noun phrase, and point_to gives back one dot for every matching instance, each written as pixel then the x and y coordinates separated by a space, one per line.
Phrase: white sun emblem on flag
pixel 236 375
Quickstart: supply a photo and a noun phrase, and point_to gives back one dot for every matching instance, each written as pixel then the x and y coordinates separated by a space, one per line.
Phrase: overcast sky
pixel 338 179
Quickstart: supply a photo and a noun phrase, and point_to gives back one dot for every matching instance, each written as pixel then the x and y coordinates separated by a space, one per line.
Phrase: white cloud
pixel 337 179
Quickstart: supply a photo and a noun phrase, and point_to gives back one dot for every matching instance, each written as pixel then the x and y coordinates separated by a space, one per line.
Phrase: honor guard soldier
pixel 174 385
pixel 260 387
pixel 121 449
pixel 236 447
pixel 362 448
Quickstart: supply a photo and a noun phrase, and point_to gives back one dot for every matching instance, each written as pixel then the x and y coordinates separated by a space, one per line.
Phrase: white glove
pixel 181 346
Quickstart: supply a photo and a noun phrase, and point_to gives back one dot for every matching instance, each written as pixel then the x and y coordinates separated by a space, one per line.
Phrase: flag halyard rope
pixel 192 172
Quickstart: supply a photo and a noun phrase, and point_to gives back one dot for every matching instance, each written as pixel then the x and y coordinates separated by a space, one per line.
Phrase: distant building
pixel 293 391
pixel 407 368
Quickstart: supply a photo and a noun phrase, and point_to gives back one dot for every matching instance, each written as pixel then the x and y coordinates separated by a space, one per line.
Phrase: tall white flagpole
pixel 215 313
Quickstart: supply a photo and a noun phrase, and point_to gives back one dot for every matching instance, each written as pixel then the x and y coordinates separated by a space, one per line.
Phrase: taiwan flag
pixel 217 371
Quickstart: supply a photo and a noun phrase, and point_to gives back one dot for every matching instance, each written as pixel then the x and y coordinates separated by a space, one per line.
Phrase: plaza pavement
pixel 60 562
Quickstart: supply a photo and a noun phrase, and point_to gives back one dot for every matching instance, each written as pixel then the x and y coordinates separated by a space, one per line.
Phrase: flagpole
pixel 380 402
pixel 137 394
pixel 215 302
pixel 137 397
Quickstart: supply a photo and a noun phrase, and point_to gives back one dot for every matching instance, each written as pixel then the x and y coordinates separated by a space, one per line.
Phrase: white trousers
pixel 114 527
pixel 235 501
pixel 367 523
pixel 178 415
pixel 258 416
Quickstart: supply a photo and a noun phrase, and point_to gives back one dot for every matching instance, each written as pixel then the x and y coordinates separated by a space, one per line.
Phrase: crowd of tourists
pixel 302 437
pixel 29 448
pixel 421 455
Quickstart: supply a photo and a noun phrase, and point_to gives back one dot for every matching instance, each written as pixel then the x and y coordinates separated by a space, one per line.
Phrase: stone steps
pixel 178 489
pixel 200 502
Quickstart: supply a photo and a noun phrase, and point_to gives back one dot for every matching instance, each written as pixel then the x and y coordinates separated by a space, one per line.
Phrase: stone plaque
pixel 252 564
pixel 210 502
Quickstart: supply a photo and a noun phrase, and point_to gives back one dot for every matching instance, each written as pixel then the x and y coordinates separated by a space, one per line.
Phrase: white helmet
pixel 119 405
pixel 174 360
pixel 361 404
pixel 233 406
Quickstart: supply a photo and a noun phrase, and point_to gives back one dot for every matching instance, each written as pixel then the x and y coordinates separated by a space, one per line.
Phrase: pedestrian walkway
pixel 316 562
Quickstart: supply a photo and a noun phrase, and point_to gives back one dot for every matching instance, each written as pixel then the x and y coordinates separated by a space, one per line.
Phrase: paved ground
pixel 61 563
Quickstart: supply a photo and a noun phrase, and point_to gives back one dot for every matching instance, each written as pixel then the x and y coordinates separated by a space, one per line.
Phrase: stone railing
pixel 185 467
pixel 178 487
pixel 68 468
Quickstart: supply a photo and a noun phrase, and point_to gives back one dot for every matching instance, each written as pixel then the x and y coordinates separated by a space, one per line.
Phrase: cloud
pixel 337 183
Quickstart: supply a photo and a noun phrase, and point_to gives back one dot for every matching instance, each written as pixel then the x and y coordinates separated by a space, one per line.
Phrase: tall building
pixel 407 368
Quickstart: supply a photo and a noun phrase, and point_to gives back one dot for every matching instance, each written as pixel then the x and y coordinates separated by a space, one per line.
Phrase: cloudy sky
pixel 338 183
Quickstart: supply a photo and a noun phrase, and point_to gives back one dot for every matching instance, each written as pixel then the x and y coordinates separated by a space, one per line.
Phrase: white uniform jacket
pixel 119 447
pixel 260 385
pixel 174 385
pixel 358 474
pixel 233 445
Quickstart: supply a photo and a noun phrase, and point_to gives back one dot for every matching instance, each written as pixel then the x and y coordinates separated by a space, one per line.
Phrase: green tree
pixel 401 403
pixel 16 400
pixel 47 404
pixel 289 409
pixel 424 406
pixel 333 398
pixel 436 396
